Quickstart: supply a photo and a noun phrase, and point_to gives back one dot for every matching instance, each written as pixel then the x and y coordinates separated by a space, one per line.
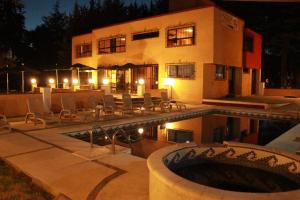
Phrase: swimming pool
pixel 207 129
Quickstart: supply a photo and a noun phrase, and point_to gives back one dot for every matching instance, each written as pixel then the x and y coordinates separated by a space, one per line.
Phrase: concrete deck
pixel 70 167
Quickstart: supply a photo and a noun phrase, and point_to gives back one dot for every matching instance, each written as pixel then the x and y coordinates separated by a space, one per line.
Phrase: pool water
pixel 201 130
pixel 237 178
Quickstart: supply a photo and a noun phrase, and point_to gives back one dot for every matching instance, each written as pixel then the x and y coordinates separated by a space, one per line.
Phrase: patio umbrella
pixel 81 67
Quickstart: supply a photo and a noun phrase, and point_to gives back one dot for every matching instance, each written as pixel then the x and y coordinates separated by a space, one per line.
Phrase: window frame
pixel 113 45
pixel 176 28
pixel 192 77
pixel 224 72
pixel 84 54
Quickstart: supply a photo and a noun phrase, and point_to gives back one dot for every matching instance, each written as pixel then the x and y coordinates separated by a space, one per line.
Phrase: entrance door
pixel 253 82
pixel 231 82
pixel 120 81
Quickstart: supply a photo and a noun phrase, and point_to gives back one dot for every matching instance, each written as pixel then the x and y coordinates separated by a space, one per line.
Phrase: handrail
pixel 97 128
pixel 113 143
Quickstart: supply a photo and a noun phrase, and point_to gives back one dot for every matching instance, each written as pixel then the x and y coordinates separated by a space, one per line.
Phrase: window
pixel 141 36
pixel 248 43
pixel 181 36
pixel 186 71
pixel 220 72
pixel 84 50
pixel 112 45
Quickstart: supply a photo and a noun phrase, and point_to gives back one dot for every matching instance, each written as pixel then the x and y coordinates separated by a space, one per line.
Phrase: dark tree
pixel 11 29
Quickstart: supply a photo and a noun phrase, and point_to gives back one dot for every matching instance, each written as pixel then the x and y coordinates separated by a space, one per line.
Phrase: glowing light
pixel 75 81
pixel 187 141
pixel 140 131
pixel 189 30
pixel 141 81
pixel 51 81
pixel 106 137
pixel 169 125
pixel 91 81
pixel 66 80
pixel 105 81
pixel 33 81
pixel 169 81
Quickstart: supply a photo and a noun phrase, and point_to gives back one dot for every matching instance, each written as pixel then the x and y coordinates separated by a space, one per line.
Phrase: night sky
pixel 36 9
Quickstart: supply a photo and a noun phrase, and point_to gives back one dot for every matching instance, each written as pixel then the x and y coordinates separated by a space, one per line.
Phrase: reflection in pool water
pixel 208 129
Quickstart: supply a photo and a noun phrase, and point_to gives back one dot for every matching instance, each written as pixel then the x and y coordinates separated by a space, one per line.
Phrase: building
pixel 197 53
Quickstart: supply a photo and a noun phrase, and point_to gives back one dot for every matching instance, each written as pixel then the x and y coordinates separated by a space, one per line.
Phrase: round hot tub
pixel 228 171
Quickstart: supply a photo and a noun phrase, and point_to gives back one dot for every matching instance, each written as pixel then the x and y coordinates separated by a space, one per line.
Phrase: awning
pixel 126 66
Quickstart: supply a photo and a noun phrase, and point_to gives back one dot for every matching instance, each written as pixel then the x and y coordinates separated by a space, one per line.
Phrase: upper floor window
pixel 145 35
pixel 112 45
pixel 186 71
pixel 181 36
pixel 248 43
pixel 83 50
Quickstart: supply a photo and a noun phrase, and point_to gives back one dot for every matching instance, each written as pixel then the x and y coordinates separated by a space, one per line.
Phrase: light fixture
pixel 169 81
pixel 33 81
pixel 105 81
pixel 141 81
pixel 91 81
pixel 51 80
pixel 169 126
pixel 75 81
pixel 66 80
pixel 140 131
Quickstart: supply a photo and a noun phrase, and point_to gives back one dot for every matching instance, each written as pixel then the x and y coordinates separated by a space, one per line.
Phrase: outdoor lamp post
pixel 66 83
pixel 33 84
pixel 106 86
pixel 169 82
pixel 141 87
pixel 51 82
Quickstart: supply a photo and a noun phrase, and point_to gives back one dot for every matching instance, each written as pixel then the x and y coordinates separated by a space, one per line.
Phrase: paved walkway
pixel 67 166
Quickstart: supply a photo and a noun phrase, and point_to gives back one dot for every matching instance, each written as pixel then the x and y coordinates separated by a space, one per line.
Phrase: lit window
pixel 112 45
pixel 186 71
pixel 181 36
pixel 83 50
pixel 220 72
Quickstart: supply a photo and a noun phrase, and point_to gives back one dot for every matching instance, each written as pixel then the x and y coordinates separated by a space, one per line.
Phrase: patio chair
pixel 69 109
pixel 109 105
pixel 94 105
pixel 128 106
pixel 148 103
pixel 4 123
pixel 38 112
pixel 167 103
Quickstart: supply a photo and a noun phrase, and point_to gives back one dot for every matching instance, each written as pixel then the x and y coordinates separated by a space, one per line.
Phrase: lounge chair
pixel 4 123
pixel 167 103
pixel 94 105
pixel 128 106
pixel 38 112
pixel 148 103
pixel 109 105
pixel 69 110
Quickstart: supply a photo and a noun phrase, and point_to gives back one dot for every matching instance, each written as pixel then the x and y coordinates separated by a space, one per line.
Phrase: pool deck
pixel 71 169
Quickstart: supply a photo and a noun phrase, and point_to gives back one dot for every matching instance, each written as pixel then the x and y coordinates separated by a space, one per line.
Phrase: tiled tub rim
pixel 188 189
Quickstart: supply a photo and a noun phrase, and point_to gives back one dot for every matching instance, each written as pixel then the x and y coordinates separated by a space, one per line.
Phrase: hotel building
pixel 199 53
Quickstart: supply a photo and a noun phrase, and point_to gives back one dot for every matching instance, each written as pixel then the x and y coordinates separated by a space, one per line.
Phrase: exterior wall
pixel 213 88
pixel 214 43
pixel 282 92
pixel 253 59
pixel 246 83
pixel 228 45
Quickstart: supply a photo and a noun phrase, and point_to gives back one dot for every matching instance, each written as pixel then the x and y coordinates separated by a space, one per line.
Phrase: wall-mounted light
pixel 91 81
pixel 75 81
pixel 105 81
pixel 140 131
pixel 33 81
pixel 169 125
pixel 51 81
pixel 66 80
pixel 141 81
